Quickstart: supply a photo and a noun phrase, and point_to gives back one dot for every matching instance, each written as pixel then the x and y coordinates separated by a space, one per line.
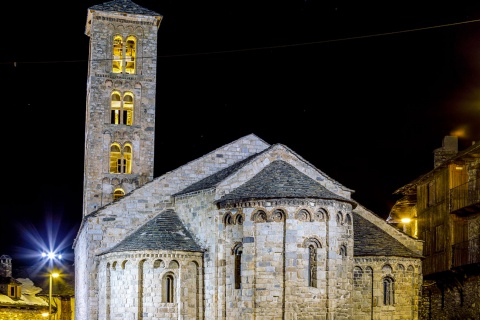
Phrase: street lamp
pixel 51 256
pixel 52 275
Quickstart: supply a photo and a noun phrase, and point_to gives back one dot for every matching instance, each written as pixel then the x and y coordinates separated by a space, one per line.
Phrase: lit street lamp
pixel 52 275
pixel 51 256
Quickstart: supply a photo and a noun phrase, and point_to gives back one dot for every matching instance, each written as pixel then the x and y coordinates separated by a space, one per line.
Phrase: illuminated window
pixel 117 64
pixel 168 288
pixel 388 291
pixel 118 193
pixel 124 54
pixel 120 161
pixel 121 110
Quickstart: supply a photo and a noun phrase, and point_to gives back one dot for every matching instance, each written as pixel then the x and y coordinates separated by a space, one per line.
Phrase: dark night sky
pixel 364 92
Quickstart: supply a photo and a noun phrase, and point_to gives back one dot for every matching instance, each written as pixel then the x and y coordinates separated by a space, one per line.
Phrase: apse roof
pixel 164 232
pixel 280 179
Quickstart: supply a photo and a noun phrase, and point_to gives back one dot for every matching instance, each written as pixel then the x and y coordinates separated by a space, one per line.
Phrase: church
pixel 248 231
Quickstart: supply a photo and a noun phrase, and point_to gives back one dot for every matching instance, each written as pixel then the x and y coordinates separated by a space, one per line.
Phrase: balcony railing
pixel 465 253
pixel 465 198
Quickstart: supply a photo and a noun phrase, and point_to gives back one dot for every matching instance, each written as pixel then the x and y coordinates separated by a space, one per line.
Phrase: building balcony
pixel 466 253
pixel 465 199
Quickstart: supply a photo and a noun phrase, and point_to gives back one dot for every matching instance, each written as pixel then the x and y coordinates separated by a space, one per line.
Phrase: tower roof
pixel 123 6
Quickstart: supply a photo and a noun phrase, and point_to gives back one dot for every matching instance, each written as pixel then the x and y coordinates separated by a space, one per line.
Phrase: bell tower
pixel 120 107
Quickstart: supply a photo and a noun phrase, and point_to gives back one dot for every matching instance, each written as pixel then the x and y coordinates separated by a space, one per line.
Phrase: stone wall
pixel 368 293
pixel 455 297
pixel 20 314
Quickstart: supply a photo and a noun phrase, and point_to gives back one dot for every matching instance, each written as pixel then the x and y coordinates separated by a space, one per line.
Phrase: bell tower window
pixel 124 54
pixel 120 160
pixel 121 110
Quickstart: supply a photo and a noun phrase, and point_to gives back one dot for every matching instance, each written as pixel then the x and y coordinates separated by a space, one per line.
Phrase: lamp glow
pixel 406 220
pixel 52 275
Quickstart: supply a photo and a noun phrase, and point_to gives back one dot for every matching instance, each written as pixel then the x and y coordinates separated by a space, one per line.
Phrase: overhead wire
pixel 15 63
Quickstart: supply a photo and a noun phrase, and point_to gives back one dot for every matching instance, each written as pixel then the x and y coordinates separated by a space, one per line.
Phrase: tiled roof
pixel 280 180
pixel 212 180
pixel 124 6
pixel 370 240
pixel 164 232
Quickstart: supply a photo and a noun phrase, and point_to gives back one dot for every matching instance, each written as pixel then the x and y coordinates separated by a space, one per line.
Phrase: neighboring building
pixel 247 231
pixel 19 297
pixel 443 206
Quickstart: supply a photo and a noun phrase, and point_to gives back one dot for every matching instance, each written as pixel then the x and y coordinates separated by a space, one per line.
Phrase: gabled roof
pixel 214 179
pixel 280 180
pixel 164 232
pixel 370 240
pixel 468 154
pixel 123 6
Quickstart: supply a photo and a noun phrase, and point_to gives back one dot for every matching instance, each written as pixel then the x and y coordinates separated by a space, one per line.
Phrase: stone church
pixel 250 230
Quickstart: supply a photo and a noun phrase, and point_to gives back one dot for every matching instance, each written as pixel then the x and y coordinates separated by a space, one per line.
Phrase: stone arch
pixel 173 264
pixel 124 264
pixel 400 268
pixel 114 265
pixel 321 215
pixel 339 218
pixel 342 250
pixel 303 215
pixel 387 268
pixel 357 276
pixel 239 217
pixel 277 215
pixel 312 241
pixel 227 219
pixel 348 219
pixel 158 263
pixel 411 269
pixel 259 216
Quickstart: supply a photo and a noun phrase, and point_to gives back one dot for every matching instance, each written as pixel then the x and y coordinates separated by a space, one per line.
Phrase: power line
pixel 15 63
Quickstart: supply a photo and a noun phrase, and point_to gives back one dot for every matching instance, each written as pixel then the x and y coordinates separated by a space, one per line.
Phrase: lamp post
pixel 51 256
pixel 52 275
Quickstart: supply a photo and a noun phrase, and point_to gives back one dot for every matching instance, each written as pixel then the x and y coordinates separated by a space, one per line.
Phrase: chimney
pixel 449 149
pixel 5 266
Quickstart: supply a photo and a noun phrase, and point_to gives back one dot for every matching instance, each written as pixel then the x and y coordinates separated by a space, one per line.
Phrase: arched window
pixel 168 285
pixel 121 110
pixel 312 266
pixel 130 53
pixel 388 291
pixel 120 162
pixel 118 193
pixel 117 62
pixel 124 53
pixel 237 252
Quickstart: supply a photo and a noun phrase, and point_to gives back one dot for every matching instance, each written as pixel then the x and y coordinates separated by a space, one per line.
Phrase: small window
pixel 12 291
pixel 168 288
pixel 237 252
pixel 388 291
pixel 312 266
pixel 118 193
